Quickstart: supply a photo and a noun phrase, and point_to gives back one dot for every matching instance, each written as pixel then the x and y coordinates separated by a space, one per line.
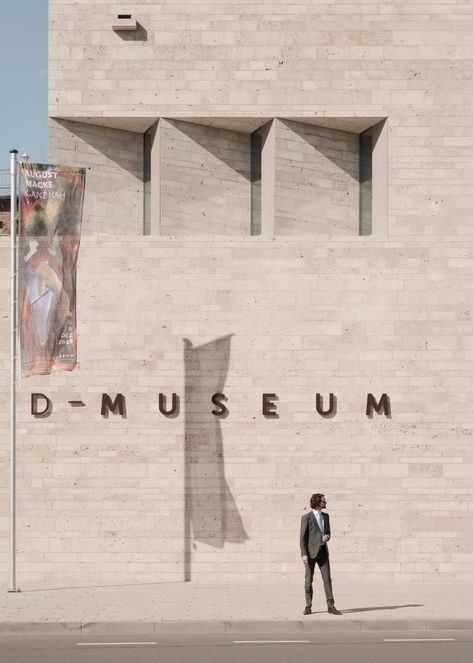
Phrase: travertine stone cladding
pixel 408 61
pixel 114 186
pixel 316 180
pixel 205 180
pixel 102 500
pixel 148 498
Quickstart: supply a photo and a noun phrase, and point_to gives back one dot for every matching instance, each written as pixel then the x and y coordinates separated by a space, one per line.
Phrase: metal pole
pixel 13 327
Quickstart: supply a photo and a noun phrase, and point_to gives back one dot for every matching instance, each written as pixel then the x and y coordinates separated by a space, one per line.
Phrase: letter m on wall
pixel 118 406
pixel 381 407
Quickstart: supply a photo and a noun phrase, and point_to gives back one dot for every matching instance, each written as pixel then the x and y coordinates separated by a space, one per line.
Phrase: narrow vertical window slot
pixel 256 146
pixel 147 142
pixel 366 183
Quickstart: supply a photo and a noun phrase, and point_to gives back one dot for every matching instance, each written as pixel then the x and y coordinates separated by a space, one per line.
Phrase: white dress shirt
pixel 320 520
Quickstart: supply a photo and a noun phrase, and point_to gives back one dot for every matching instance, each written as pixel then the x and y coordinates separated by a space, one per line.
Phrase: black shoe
pixel 333 610
pixel 307 611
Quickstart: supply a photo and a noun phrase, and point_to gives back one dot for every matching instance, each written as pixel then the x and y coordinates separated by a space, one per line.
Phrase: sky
pixel 24 79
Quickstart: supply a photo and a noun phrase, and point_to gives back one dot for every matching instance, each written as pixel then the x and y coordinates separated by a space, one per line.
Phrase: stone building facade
pixel 278 202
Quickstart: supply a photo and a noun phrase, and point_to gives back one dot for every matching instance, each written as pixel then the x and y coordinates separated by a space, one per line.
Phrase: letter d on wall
pixel 47 406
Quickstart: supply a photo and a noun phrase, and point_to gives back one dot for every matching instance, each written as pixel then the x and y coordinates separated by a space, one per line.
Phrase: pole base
pixel 14 591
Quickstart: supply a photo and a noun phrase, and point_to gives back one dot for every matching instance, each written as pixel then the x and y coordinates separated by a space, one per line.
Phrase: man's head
pixel 318 501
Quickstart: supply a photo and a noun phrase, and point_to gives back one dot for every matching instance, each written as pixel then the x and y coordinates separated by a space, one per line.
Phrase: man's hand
pixel 305 559
pixel 325 538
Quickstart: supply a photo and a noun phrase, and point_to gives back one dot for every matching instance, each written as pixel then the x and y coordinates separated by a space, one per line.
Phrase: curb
pixel 222 627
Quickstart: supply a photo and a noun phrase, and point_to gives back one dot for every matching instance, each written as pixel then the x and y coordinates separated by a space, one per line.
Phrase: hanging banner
pixel 51 199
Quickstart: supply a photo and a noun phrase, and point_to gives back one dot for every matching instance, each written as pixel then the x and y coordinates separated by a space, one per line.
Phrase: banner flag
pixel 51 200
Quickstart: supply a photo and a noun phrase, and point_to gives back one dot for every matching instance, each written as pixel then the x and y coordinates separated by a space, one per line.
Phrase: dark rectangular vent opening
pixel 124 15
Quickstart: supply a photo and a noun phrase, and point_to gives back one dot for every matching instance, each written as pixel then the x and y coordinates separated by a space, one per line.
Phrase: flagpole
pixel 13 327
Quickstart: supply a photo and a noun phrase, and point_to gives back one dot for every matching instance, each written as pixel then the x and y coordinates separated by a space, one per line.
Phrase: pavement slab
pixel 228 607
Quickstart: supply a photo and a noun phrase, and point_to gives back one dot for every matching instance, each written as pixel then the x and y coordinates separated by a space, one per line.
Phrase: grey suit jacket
pixel 311 537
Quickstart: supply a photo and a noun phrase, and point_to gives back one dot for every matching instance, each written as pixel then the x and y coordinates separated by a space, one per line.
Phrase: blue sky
pixel 24 62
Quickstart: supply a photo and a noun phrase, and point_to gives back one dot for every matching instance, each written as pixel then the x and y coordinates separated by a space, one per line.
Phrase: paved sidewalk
pixel 193 606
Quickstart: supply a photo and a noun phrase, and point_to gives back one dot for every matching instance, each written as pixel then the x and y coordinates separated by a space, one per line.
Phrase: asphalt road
pixel 369 647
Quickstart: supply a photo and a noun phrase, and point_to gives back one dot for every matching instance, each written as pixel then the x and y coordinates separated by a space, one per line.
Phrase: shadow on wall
pixel 140 34
pixel 113 144
pixel 210 513
pixel 230 148
pixel 339 147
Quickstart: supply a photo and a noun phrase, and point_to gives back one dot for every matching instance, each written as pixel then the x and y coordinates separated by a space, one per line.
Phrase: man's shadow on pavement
pixel 384 607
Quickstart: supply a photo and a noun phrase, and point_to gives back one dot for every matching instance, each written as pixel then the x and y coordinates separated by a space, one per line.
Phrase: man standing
pixel 315 532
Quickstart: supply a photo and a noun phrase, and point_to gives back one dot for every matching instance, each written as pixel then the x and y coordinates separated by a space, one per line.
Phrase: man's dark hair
pixel 315 500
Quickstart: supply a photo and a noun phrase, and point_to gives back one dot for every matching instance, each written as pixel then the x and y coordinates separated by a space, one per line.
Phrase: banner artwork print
pixel 51 201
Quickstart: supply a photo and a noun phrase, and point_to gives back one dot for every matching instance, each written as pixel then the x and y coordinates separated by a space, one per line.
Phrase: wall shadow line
pixel 211 515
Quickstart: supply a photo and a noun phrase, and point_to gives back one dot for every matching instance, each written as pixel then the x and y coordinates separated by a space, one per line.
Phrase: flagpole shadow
pixel 210 513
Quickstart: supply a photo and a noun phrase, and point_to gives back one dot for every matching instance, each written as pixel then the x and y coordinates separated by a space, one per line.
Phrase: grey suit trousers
pixel 323 563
